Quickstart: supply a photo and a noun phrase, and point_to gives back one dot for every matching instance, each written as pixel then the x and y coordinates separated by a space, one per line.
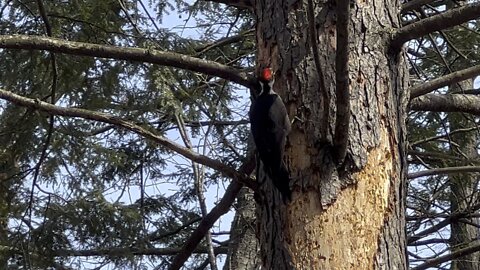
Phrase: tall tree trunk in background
pixel 463 189
pixel 8 174
pixel 349 217
pixel 243 247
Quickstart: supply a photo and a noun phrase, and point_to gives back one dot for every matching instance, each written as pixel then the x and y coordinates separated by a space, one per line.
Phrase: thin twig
pixel 198 183
pixel 46 145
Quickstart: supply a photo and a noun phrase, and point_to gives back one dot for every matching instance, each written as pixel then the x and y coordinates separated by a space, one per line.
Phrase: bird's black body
pixel 270 126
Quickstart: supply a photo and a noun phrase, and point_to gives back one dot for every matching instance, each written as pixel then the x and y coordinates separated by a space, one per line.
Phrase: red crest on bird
pixel 267 74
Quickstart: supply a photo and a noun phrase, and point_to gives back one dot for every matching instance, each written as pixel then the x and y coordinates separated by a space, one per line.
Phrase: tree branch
pixel 443 81
pixel 239 4
pixel 199 176
pixel 413 144
pixel 212 68
pixel 452 255
pixel 445 170
pixel 437 22
pixel 223 41
pixel 342 119
pixel 220 209
pixel 414 4
pixel 115 251
pixel 447 103
pixel 111 119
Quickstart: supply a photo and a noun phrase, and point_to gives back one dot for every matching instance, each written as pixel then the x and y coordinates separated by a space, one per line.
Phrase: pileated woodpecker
pixel 270 126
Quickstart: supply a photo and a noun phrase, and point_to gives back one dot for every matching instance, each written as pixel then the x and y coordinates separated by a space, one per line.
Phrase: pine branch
pixel 26 42
pixel 129 125
pixel 451 256
pixel 445 170
pixel 447 103
pixel 434 23
pixel 443 81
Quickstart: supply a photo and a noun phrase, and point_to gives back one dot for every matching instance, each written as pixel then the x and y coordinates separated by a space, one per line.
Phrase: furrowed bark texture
pixel 351 217
pixel 464 233
pixel 243 247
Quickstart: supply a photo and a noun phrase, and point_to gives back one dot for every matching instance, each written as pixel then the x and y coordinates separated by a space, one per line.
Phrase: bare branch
pixel 443 81
pixel 199 176
pixel 220 209
pixel 434 23
pixel 111 119
pixel 447 103
pixel 48 137
pixel 450 256
pixel 212 68
pixel 445 170
pixel 342 120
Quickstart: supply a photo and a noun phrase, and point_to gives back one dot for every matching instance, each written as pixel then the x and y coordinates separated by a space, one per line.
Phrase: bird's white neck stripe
pixel 270 85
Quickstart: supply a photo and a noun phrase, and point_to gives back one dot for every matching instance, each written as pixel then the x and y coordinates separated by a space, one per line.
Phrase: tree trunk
pixel 8 170
pixel 341 217
pixel 463 189
pixel 243 247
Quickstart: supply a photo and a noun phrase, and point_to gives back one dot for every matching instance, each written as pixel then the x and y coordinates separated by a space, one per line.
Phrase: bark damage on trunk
pixel 340 218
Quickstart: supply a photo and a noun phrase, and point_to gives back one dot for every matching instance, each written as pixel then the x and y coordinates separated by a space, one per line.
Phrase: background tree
pixel 113 128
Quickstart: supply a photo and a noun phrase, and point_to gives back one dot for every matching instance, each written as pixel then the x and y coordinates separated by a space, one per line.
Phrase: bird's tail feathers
pixel 281 180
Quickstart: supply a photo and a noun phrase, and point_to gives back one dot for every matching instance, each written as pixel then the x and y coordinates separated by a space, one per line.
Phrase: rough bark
pixel 463 192
pixel 340 218
pixel 5 186
pixel 243 247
